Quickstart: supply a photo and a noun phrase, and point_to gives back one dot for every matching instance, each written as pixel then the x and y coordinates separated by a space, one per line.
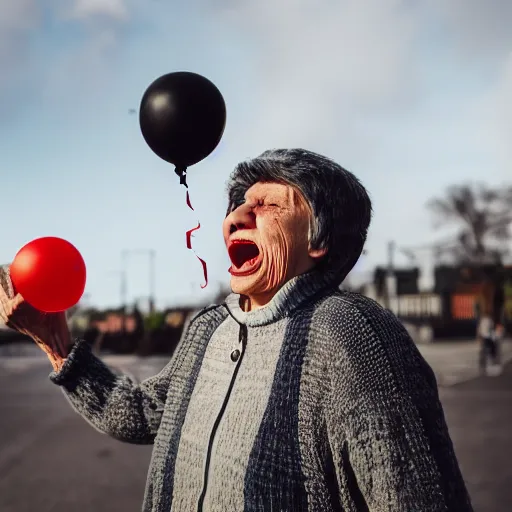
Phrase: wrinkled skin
pixel 276 218
pixel 49 330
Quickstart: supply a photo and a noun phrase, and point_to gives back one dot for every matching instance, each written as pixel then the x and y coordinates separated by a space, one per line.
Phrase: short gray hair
pixel 340 204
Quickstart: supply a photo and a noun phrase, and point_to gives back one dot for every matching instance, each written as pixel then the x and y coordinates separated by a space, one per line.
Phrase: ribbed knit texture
pixel 330 407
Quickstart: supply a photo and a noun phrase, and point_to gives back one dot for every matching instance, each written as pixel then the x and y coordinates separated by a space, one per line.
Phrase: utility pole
pixel 391 257
pixel 152 257
pixel 390 274
pixel 151 253
pixel 124 290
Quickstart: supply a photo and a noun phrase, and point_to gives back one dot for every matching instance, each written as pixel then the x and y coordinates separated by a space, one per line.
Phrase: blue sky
pixel 410 98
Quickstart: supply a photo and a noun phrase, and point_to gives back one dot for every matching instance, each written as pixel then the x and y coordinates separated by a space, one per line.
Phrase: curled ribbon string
pixel 189 244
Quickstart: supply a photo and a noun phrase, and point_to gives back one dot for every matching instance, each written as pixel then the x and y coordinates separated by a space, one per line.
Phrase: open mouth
pixel 244 256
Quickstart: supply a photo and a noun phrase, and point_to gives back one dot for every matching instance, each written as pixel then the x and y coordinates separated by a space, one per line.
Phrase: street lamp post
pixel 151 253
pixel 152 257
pixel 390 273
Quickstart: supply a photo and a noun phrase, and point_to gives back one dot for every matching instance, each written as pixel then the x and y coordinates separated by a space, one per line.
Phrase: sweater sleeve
pixel 113 404
pixel 387 429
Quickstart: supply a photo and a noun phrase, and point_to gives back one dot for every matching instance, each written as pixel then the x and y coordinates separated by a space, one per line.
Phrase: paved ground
pixel 53 461
pixel 479 415
pixel 456 361
pixel 453 362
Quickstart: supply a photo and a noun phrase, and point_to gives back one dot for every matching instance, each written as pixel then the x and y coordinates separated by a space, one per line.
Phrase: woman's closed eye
pixel 267 203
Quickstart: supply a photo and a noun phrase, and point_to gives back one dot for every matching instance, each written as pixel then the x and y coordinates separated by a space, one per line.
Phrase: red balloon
pixel 49 273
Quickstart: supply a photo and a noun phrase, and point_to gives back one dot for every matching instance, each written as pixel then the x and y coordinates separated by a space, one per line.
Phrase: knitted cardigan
pixel 318 402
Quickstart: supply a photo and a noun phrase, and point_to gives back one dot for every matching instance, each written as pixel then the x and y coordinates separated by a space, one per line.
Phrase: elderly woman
pixel 291 395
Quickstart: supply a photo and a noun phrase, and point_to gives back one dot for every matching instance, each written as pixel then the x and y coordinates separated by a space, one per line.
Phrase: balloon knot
pixel 182 173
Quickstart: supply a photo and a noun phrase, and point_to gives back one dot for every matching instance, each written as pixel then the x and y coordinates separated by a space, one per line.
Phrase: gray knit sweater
pixel 318 402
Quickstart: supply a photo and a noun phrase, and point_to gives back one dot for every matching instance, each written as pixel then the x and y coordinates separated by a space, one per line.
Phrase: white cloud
pixel 320 66
pixel 87 66
pixel 367 83
pixel 110 9
pixel 479 28
pixel 21 19
pixel 17 20
pixel 330 75
pixel 17 16
pixel 495 115
pixel 102 19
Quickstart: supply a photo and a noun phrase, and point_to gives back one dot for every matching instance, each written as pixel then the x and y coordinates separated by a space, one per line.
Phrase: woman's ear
pixel 317 253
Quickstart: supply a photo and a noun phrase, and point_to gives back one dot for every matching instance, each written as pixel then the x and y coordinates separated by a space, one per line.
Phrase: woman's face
pixel 267 241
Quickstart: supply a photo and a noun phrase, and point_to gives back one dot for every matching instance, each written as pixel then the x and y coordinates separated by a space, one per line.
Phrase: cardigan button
pixel 235 355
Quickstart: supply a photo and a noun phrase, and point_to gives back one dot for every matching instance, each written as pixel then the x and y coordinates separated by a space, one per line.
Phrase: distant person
pixel 500 332
pixel 291 395
pixel 498 336
pixel 489 350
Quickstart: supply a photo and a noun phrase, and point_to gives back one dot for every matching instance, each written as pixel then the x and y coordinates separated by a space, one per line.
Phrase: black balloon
pixel 182 118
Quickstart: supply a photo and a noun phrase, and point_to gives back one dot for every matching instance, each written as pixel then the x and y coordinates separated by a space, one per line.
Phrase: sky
pixel 411 96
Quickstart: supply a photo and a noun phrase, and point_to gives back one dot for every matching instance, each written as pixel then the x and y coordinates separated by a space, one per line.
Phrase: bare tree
pixel 483 217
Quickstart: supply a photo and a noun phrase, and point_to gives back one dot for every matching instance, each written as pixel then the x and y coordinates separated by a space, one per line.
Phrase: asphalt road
pixel 53 461
pixel 479 415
